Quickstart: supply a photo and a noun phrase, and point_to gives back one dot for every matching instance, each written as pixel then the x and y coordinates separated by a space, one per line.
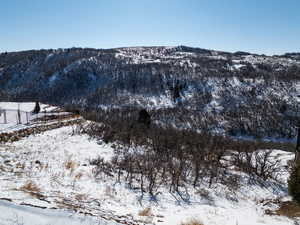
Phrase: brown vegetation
pixel 192 222
pixel 145 212
pixel 70 165
pixel 289 209
pixel 30 186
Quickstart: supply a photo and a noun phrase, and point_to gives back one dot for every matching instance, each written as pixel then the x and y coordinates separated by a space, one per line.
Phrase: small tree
pixel 144 118
pixel 294 182
pixel 37 108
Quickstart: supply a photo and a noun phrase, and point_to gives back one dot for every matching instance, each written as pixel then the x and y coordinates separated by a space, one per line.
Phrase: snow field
pixel 57 163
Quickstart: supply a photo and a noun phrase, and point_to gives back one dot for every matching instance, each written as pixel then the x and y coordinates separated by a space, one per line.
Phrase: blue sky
pixel 260 26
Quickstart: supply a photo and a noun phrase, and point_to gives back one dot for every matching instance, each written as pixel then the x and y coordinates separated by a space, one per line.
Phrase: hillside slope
pixel 54 171
pixel 232 93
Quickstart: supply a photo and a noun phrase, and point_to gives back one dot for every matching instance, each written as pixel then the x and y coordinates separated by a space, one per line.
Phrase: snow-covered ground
pixel 52 170
pixel 12 214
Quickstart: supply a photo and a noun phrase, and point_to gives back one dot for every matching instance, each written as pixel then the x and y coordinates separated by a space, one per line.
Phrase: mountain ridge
pixel 236 93
pixel 159 46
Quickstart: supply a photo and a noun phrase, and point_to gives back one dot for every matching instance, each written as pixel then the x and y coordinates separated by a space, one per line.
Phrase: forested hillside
pixel 238 94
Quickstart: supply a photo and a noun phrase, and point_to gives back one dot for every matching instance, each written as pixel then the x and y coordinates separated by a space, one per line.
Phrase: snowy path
pixel 11 214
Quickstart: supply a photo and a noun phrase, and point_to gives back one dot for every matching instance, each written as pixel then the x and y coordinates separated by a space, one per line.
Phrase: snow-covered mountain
pixel 235 93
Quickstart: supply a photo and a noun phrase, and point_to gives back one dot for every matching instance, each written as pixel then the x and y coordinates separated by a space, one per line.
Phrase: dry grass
pixel 145 212
pixel 2 168
pixel 70 165
pixel 78 176
pixel 65 205
pixel 20 166
pixel 81 197
pixel 30 186
pixel 289 209
pixel 32 189
pixel 192 222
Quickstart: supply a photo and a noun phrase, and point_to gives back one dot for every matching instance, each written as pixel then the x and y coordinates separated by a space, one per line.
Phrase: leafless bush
pixel 30 186
pixel 258 164
pixel 102 167
pixel 160 154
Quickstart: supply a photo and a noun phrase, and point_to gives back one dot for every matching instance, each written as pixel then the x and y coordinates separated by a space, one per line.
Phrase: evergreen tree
pixel 144 117
pixel 37 108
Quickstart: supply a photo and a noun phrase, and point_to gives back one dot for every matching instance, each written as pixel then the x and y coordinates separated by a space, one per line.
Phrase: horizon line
pixel 148 46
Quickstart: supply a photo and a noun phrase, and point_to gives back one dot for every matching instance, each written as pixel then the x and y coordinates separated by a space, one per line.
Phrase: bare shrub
pixel 78 176
pixel 81 197
pixel 146 212
pixel 30 186
pixel 102 167
pixel 70 165
pixel 258 164
pixel 147 157
pixel 203 193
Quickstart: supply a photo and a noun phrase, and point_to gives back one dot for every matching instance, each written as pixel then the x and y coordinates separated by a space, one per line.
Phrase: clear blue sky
pixel 261 26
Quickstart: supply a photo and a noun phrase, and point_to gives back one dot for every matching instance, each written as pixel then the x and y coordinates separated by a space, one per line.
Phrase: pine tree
pixel 144 118
pixel 37 108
